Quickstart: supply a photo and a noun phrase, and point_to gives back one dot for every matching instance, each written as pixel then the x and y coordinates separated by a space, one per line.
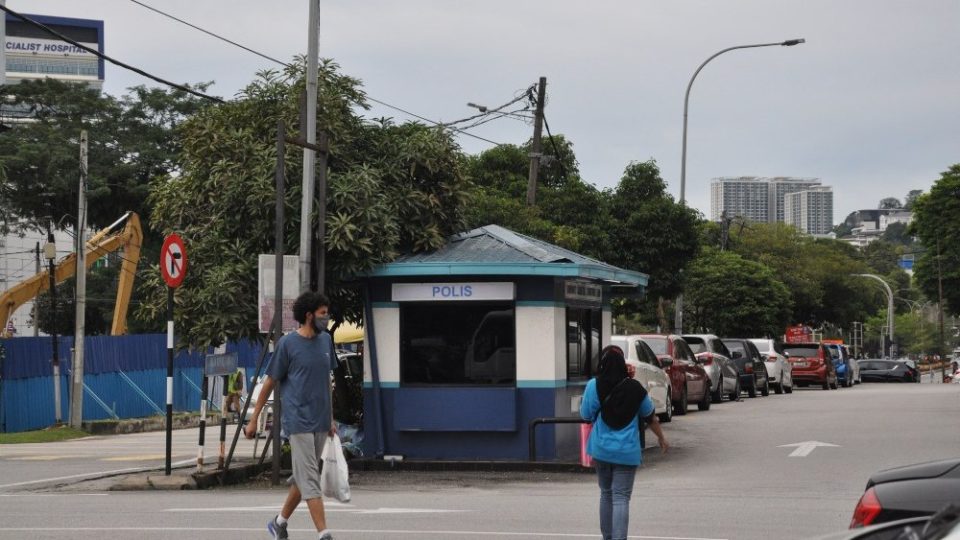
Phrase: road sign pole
pixel 169 380
pixel 223 422
pixel 203 422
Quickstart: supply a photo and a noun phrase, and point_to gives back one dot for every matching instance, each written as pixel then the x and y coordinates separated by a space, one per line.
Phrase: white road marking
pixel 804 449
pixel 505 534
pixel 91 474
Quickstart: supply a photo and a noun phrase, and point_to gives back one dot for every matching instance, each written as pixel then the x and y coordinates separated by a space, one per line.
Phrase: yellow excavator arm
pixel 108 240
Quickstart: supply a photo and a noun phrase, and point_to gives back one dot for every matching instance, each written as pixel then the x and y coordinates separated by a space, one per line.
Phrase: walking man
pixel 301 365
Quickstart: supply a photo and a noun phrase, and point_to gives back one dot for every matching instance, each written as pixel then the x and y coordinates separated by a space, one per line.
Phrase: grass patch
pixel 52 434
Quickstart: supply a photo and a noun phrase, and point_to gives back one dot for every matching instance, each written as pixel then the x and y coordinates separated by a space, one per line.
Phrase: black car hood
pixel 932 469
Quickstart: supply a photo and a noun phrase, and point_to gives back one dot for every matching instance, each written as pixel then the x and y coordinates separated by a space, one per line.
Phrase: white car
pixel 649 373
pixel 778 368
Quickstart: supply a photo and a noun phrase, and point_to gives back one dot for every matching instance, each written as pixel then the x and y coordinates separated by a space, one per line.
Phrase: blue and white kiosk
pixel 467 344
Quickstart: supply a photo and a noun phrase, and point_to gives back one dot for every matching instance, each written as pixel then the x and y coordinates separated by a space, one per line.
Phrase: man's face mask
pixel 321 323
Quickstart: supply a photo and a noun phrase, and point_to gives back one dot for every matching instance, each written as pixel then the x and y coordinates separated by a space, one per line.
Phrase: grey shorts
pixel 306 455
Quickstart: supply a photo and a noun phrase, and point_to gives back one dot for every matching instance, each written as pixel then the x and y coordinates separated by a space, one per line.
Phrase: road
pixel 729 475
pixel 32 466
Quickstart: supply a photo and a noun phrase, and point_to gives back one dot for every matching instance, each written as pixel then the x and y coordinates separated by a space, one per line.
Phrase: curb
pixel 381 465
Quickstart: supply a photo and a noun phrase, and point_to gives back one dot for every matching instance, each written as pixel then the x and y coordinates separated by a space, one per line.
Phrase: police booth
pixel 467 344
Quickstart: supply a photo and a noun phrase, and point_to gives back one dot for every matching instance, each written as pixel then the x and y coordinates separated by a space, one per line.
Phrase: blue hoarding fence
pixel 124 376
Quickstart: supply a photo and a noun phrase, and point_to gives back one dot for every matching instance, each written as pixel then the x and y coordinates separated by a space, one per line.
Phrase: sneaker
pixel 277 531
pixel 326 536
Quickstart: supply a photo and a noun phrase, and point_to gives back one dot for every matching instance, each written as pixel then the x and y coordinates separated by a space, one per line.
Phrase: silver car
pixel 778 368
pixel 724 377
pixel 649 372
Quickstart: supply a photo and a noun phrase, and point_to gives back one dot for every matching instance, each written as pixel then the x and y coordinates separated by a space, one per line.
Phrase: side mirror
pixel 737 355
pixel 786 355
pixel 666 362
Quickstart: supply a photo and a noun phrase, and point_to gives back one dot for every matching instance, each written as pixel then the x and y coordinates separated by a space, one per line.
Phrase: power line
pixel 102 56
pixel 285 64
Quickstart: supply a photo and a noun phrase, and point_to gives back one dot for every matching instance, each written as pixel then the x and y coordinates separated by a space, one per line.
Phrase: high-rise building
pixel 32 53
pixel 810 210
pixel 744 196
pixel 780 186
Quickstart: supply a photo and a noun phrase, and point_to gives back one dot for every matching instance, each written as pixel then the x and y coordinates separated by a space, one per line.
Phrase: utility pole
pixel 940 349
pixel 50 254
pixel 308 132
pixel 536 150
pixel 76 395
pixel 36 303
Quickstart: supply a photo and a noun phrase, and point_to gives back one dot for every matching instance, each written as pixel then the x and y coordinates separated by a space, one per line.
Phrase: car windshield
pixel 834 352
pixel 697 345
pixel 657 344
pixel 735 346
pixel 877 364
pixel 801 351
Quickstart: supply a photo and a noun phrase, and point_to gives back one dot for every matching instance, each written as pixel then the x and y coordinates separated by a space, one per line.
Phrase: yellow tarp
pixel 348 333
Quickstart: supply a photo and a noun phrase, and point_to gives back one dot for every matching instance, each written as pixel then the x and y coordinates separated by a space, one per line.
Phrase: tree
pixel 882 256
pixel 652 233
pixel 731 296
pixel 890 203
pixel 911 199
pixel 897 233
pixel 130 142
pixel 392 188
pixel 936 224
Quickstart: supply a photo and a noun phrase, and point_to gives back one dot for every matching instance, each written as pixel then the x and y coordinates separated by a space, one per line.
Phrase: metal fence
pixel 124 377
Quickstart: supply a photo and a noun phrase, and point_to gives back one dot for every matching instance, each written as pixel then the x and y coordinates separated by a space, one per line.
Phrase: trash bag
pixel 334 479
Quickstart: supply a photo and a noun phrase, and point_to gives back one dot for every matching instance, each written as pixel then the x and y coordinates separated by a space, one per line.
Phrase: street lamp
pixel 50 254
pixel 678 322
pixel 890 315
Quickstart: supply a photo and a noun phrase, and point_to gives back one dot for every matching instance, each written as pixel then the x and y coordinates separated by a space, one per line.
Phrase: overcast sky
pixel 870 104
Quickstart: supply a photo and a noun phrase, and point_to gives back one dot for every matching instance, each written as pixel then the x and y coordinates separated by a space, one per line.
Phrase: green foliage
pixel 897 233
pixel 392 188
pixel 130 142
pixel 729 295
pixel 911 199
pixel 889 203
pixel 101 297
pixel 882 256
pixel 936 224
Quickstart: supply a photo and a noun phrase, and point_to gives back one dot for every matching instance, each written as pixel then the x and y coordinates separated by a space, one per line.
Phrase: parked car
pixel 938 527
pixel 811 363
pixel 887 371
pixel 778 368
pixel 841 361
pixel 724 377
pixel 650 373
pixel 750 366
pixel 917 490
pixel 688 380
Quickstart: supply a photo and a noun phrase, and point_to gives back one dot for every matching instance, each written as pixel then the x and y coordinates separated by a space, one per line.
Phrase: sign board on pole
pixel 799 334
pixel 266 289
pixel 219 364
pixel 173 261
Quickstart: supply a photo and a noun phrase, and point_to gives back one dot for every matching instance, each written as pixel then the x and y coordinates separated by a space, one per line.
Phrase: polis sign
pixel 453 292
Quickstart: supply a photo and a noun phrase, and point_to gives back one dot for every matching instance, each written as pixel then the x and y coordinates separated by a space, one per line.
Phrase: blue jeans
pixel 616 486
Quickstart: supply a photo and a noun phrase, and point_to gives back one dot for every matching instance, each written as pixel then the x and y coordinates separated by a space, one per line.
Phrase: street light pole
pixel 890 315
pixel 678 321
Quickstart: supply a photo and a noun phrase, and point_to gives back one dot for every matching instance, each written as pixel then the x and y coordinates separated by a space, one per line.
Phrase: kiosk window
pixel 583 342
pixel 462 343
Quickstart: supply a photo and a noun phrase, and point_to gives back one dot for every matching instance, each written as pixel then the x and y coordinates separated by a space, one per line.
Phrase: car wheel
pixel 717 396
pixel 826 384
pixel 668 415
pixel 835 384
pixel 766 388
pixel 680 407
pixel 704 403
pixel 787 389
pixel 779 387
pixel 752 391
pixel 907 378
pixel 735 395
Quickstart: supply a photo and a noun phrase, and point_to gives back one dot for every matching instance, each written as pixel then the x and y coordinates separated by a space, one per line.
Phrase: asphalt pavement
pixel 783 466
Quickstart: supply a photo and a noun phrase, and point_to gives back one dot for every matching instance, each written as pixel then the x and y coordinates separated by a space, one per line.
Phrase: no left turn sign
pixel 173 261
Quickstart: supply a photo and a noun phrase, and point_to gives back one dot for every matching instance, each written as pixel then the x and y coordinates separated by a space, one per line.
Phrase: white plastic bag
pixel 334 480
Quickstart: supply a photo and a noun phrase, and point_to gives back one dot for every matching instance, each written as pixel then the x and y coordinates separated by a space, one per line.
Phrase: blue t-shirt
pixel 620 446
pixel 301 366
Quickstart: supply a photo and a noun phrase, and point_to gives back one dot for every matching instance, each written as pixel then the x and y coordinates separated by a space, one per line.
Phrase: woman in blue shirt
pixel 614 402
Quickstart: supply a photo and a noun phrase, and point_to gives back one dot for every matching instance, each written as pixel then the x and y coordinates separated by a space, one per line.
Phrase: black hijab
pixel 620 395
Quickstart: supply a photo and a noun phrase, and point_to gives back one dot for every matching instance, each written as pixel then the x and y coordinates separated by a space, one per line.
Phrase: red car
pixel 811 364
pixel 688 380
